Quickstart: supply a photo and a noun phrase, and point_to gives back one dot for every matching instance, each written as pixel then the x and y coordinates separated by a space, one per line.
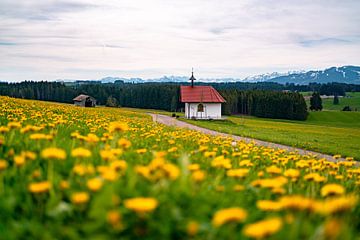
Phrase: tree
pixel 173 104
pixel 347 108
pixel 111 102
pixel 315 102
pixel 336 100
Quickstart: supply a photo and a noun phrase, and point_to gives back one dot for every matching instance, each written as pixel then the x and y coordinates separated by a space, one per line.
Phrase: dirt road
pixel 174 122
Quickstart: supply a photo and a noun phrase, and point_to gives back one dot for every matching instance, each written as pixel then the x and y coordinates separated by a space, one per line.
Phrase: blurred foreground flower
pixel 332 189
pixel 234 214
pixel 118 127
pixel 81 153
pixel 80 198
pixel 141 205
pixel 39 187
pixel 53 153
pixel 263 228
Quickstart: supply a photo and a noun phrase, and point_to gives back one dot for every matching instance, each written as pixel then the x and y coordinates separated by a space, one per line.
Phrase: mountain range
pixel 344 74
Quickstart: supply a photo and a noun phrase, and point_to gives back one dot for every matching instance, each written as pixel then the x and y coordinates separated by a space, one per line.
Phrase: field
pixel 74 173
pixel 352 99
pixel 331 132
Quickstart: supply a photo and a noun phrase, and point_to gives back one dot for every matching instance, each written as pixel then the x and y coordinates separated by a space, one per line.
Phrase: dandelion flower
pixel 268 205
pixel 263 228
pixel 53 153
pixel 141 204
pixel 19 160
pixel 113 217
pixel 223 216
pixel 192 228
pixel 332 189
pixel 124 143
pixel 3 165
pixel 80 198
pixel 238 173
pixel 118 127
pixel 198 176
pixel 39 187
pixel 94 184
pixel 80 153
pixel 292 173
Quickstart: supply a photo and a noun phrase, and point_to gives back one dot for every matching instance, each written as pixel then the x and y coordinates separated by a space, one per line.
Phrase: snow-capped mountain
pixel 345 74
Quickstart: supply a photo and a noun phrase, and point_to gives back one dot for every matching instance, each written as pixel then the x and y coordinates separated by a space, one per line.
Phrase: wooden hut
pixel 84 101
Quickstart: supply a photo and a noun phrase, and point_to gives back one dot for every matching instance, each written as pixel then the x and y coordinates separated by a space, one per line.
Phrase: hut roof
pixel 81 97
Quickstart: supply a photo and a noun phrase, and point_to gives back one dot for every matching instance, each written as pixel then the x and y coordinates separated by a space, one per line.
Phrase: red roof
pixel 205 94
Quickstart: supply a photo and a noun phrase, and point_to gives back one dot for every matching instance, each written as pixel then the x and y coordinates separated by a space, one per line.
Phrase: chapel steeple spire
pixel 192 78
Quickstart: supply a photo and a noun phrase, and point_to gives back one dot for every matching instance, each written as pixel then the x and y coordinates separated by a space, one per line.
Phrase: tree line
pixel 265 103
pixel 264 99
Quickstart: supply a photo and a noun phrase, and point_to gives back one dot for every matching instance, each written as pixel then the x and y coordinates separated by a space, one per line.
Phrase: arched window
pixel 200 108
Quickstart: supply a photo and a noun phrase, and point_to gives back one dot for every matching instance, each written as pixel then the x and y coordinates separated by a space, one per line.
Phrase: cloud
pixel 7 43
pixel 40 10
pixel 151 38
pixel 323 41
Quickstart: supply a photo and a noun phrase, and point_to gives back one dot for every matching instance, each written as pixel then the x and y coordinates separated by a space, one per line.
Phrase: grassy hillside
pixel 351 99
pixel 328 131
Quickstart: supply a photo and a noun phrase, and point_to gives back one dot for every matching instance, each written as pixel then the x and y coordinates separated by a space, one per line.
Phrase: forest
pixel 264 99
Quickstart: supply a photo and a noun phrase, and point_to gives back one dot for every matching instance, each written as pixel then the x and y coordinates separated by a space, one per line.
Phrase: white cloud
pixel 231 38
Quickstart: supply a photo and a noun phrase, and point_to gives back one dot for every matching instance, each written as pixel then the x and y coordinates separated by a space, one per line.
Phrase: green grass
pixel 327 132
pixel 352 99
pixel 164 183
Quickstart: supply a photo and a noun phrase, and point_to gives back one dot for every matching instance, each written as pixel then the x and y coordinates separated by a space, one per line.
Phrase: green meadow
pixel 327 131
pixel 351 99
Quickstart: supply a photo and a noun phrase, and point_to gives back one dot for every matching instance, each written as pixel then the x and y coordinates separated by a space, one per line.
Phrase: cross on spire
pixel 192 78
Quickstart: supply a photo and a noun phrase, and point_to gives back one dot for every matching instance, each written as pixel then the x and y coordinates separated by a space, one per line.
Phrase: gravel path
pixel 174 122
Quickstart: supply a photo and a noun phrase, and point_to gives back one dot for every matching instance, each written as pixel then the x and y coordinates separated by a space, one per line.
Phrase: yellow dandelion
pixel 238 173
pixel 273 169
pixel 332 189
pixel 141 204
pixel 192 228
pixel 238 188
pixel 3 164
pixel 268 205
pixel 53 153
pixel 227 215
pixel 81 153
pixel 198 176
pixel 292 173
pixel 113 217
pixel 64 185
pixel 193 167
pixel 94 184
pixel 14 125
pixel 39 187
pixel 263 228
pixel 118 127
pixel 19 160
pixel 80 198
pixel 141 150
pixel 124 143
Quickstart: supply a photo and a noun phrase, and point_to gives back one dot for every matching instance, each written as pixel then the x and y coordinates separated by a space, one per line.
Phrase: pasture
pixel 76 173
pixel 331 132
pixel 351 99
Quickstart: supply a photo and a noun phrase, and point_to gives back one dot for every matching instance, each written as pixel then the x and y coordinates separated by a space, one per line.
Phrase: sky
pixel 85 39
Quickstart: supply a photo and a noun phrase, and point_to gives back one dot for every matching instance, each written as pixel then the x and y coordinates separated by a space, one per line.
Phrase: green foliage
pixel 267 104
pixel 315 102
pixel 351 99
pixel 111 102
pixel 336 100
